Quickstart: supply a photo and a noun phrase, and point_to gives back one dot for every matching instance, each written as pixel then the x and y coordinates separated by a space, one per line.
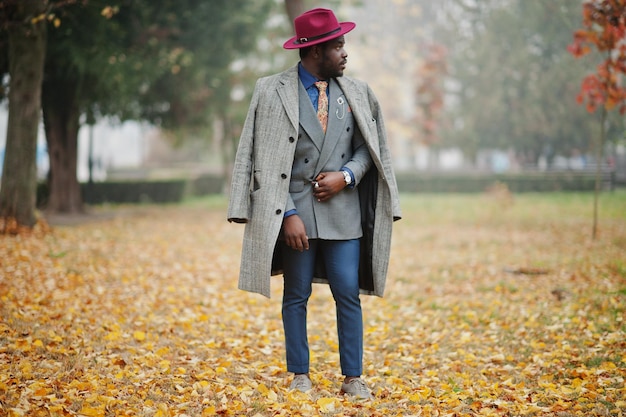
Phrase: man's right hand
pixel 295 233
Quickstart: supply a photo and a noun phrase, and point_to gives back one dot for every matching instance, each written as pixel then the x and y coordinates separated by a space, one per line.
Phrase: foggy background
pixel 465 85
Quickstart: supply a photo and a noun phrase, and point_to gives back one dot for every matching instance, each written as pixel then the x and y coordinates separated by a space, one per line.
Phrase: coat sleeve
pixel 243 170
pixel 385 154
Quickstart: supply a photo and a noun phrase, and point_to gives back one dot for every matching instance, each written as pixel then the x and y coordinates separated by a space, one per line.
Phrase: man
pixel 313 182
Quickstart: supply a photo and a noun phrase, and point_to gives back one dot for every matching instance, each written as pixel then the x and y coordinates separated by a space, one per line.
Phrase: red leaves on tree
pixel 604 23
pixel 430 93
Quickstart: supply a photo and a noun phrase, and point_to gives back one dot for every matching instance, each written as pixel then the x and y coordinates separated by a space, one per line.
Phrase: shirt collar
pixel 306 77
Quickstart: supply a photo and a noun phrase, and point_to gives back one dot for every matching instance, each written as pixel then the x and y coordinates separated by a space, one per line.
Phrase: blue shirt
pixel 308 81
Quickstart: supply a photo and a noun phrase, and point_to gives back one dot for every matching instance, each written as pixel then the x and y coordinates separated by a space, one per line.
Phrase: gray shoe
pixel 357 388
pixel 301 383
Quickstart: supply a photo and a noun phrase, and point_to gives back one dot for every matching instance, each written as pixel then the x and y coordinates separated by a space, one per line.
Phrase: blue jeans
pixel 341 258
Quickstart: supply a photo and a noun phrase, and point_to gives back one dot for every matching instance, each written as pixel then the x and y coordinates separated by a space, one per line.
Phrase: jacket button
pixel 291 139
pixel 283 176
pixel 306 160
pixel 279 211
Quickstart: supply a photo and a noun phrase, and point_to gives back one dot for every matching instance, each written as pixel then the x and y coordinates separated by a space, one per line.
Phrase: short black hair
pixel 304 51
pixel 307 49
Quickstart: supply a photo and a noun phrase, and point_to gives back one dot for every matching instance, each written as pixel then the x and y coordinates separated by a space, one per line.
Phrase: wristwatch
pixel 347 178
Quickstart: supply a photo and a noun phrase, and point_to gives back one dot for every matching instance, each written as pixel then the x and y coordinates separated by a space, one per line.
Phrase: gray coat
pixel 262 178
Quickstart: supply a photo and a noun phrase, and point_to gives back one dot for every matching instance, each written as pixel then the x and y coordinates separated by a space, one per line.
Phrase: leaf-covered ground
pixel 496 305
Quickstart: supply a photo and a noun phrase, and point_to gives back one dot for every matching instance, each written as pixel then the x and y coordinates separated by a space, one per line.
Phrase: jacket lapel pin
pixel 341 114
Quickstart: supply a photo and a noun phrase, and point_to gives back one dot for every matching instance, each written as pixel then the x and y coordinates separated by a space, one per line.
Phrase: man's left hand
pixel 328 184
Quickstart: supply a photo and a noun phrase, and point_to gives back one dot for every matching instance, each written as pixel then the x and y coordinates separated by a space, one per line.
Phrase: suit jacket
pixel 338 218
pixel 266 168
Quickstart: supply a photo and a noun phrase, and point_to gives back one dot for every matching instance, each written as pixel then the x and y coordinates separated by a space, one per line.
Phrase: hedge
pixel 515 182
pixel 145 191
pixel 173 191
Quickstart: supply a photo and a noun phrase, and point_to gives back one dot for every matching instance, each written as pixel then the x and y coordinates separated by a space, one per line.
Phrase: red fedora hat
pixel 317 26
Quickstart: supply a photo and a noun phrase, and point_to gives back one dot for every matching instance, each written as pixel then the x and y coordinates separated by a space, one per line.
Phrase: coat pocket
pixel 256 184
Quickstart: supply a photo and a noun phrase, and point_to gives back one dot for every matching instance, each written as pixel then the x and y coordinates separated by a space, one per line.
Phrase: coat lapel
pixel 308 118
pixel 355 103
pixel 337 108
pixel 288 92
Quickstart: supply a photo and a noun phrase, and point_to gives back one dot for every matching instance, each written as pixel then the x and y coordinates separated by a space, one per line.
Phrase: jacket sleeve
pixel 290 204
pixel 241 181
pixel 361 161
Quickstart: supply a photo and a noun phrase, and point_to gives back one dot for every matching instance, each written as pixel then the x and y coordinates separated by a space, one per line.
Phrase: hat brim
pixel 293 43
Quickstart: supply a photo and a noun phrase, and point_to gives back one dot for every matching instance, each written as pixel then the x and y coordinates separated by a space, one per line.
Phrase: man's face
pixel 334 58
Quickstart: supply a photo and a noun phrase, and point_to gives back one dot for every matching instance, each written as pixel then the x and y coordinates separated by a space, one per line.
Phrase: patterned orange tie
pixel 322 104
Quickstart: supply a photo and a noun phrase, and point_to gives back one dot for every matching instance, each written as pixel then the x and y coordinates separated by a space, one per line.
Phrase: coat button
pixel 291 139
pixel 278 211
pixel 306 160
pixel 283 176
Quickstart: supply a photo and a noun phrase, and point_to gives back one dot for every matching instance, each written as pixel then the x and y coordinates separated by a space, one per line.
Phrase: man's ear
pixel 317 51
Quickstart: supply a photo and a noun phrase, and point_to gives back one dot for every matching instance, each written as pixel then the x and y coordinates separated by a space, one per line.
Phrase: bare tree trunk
pixel 61 115
pixel 27 49
pixel 598 185
pixel 294 8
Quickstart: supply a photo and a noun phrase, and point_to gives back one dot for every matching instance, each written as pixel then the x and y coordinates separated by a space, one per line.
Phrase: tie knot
pixel 321 85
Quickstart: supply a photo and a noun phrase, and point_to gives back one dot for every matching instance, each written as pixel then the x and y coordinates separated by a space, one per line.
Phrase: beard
pixel 330 69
